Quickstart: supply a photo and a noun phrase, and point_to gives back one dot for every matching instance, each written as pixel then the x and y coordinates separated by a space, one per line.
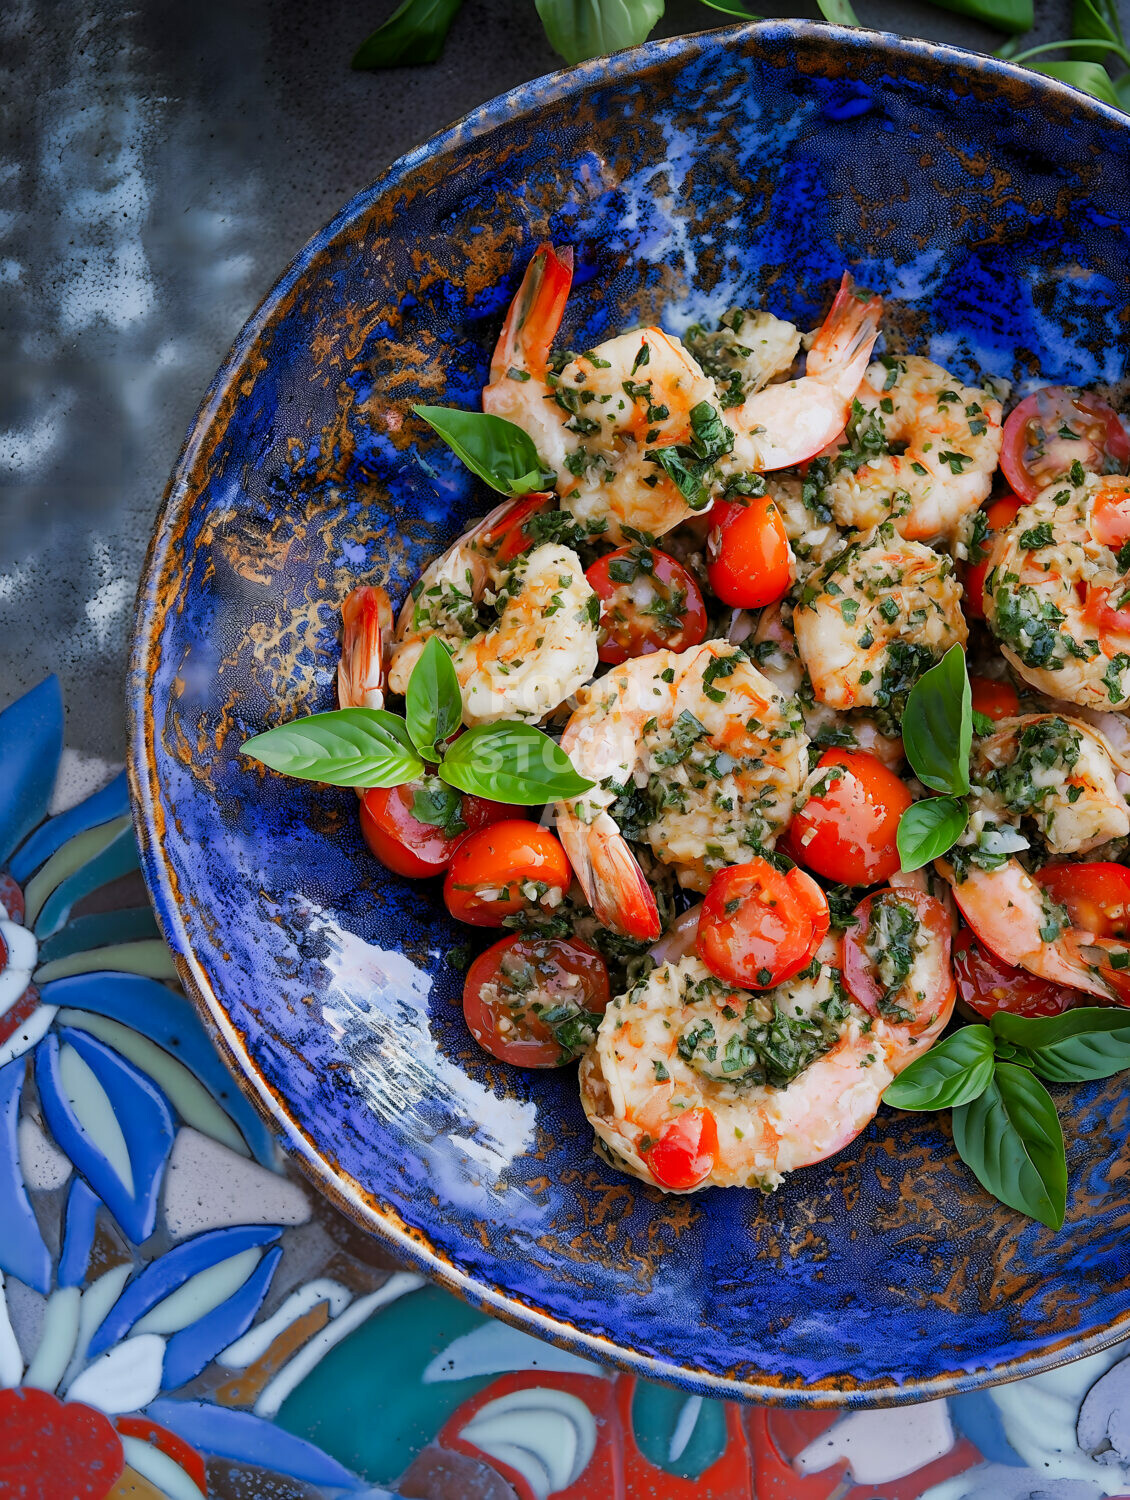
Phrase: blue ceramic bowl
pixel 991 208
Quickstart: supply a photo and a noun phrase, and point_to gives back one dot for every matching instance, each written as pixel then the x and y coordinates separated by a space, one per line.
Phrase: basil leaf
pixel 1088 24
pixel 982 724
pixel 937 727
pixel 1010 1138
pixel 1090 1042
pixel 511 762
pixel 498 451
pixel 685 471
pixel 440 806
pixel 1091 77
pixel 839 12
pixel 1004 15
pixel 414 33
pixel 433 704
pixel 954 1072
pixel 930 827
pixel 348 747
pixel 732 8
pixel 579 29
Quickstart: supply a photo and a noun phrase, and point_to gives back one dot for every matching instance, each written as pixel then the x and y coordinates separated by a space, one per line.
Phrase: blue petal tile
pixel 31 742
pixel 169 1020
pixel 977 1417
pixel 118 858
pixel 98 931
pixel 162 1276
pixel 78 1233
pixel 142 1113
pixel 102 807
pixel 246 1438
pixel 22 1251
pixel 194 1347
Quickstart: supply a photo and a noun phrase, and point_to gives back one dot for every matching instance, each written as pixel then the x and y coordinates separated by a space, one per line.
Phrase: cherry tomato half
pixel 1096 894
pixel 649 602
pixel 414 829
pixel 748 559
pixel 686 1151
pixel 996 700
pixel 1055 427
pixel 501 869
pixel 846 830
pixel 987 984
pixel 888 927
pixel 536 1001
pixel 998 515
pixel 758 926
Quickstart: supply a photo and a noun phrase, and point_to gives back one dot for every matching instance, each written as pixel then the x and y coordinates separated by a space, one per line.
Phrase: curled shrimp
pixel 1051 776
pixel 596 419
pixel 366 636
pixel 949 439
pixel 872 619
pixel 684 1040
pixel 1056 594
pixel 785 424
pixel 522 630
pixel 697 755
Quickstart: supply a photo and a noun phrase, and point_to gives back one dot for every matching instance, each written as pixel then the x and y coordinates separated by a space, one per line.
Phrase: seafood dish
pixel 773 718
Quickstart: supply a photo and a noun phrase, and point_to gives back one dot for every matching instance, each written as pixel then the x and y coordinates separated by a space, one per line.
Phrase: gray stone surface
pixel 159 165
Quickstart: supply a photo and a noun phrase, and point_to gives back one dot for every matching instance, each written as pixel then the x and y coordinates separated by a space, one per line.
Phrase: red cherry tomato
pixel 758 926
pixel 885 923
pixel 1055 427
pixel 987 984
pixel 685 1153
pixel 998 515
pixel 846 831
pixel 491 869
pixel 996 700
pixel 510 536
pixel 411 844
pixel 748 561
pixel 649 602
pixel 535 1001
pixel 1096 894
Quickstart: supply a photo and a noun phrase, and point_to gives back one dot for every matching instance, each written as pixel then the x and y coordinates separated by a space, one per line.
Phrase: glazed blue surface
pixel 991 209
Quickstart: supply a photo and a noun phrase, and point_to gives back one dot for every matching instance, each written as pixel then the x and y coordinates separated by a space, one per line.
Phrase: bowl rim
pixel 348 1195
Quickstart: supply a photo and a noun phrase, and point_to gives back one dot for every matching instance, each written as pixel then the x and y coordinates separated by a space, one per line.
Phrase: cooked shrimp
pixel 782 425
pixel 774 650
pixel 1057 597
pixel 1053 775
pixel 692 752
pixel 930 445
pixel 791 1075
pixel 745 352
pixel 522 635
pixel 366 616
pixel 600 420
pixel 870 621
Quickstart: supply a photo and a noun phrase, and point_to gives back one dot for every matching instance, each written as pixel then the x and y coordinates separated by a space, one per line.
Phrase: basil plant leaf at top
pixel 1010 1138
pixel 433 704
pixel 1091 77
pixel 511 762
pixel 414 33
pixel 579 29
pixel 953 1072
pixel 937 727
pixel 366 747
pixel 498 451
pixel 1089 1042
pixel 930 827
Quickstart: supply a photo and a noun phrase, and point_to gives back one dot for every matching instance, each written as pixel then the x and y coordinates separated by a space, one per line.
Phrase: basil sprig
pixel 1005 1125
pixel 937 734
pixel 370 747
pixel 498 451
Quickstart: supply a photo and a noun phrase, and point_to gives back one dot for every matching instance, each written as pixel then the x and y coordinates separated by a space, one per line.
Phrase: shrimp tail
pixel 614 885
pixel 535 314
pixel 366 636
pixel 841 350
